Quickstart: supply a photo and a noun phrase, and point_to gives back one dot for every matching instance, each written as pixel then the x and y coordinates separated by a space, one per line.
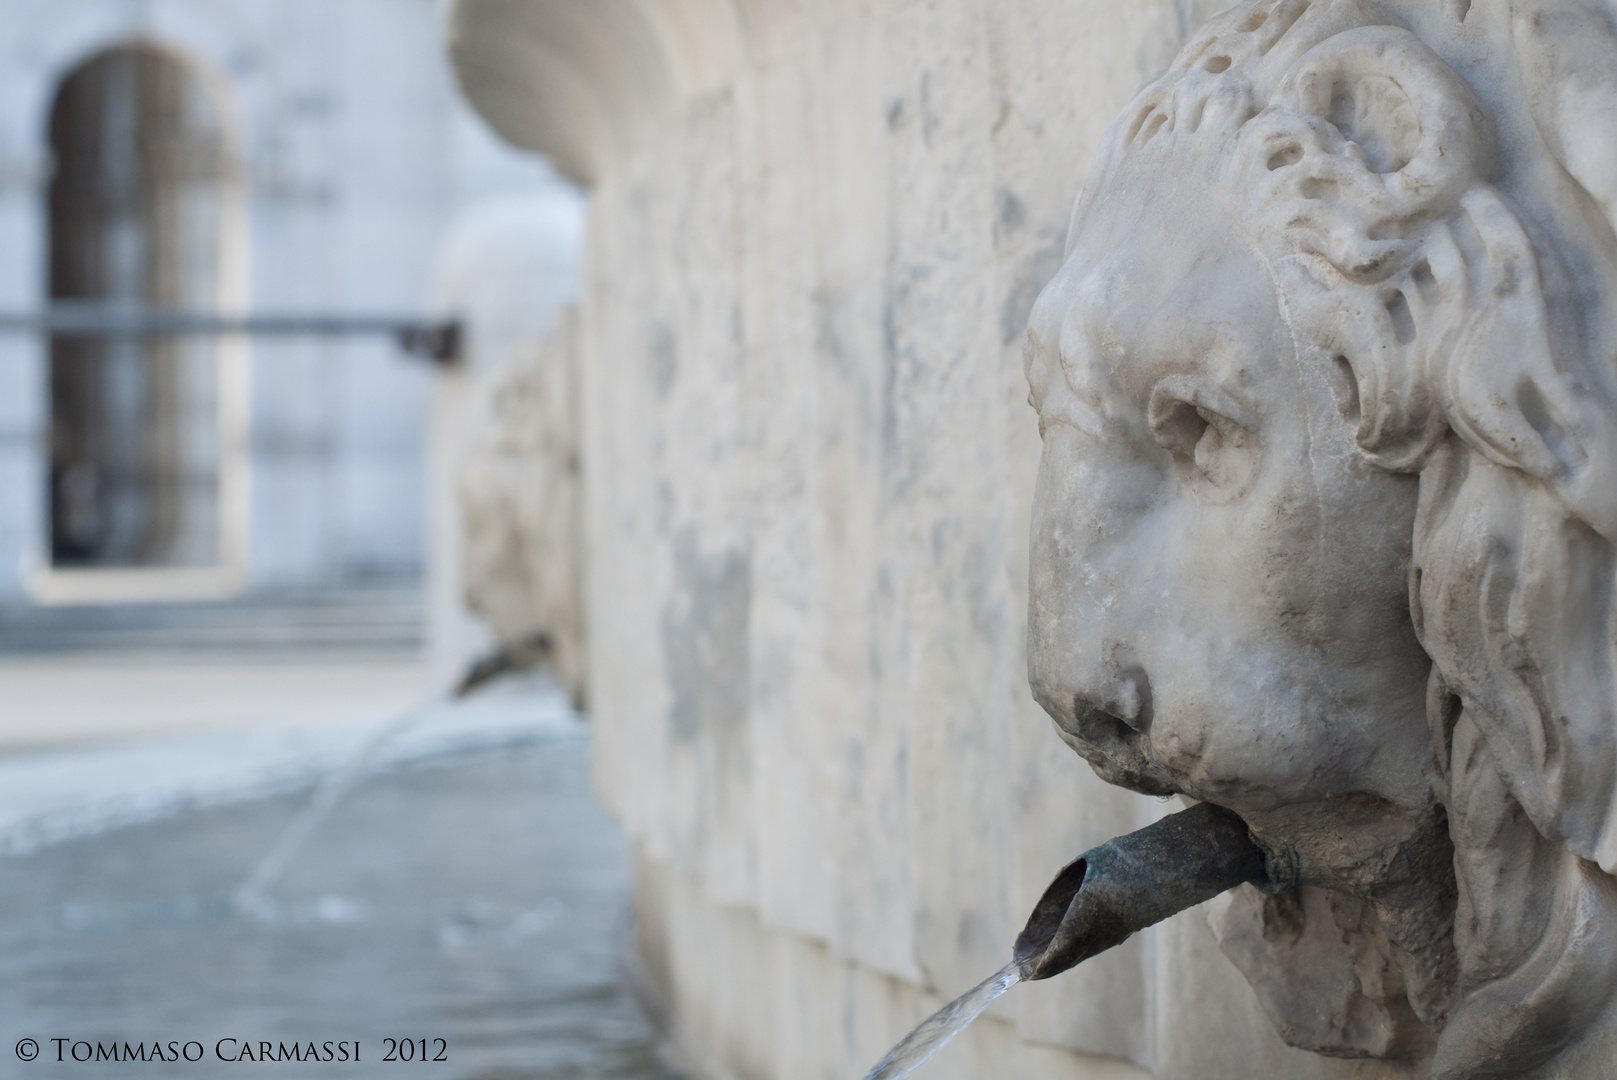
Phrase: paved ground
pixel 99 671
pixel 56 698
pixel 469 891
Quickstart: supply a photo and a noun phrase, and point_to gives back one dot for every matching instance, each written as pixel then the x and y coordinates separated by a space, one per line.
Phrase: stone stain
pixel 666 501
pixel 662 353
pixel 896 294
pixel 828 342
pixel 705 646
pixel 1012 213
pixel 930 121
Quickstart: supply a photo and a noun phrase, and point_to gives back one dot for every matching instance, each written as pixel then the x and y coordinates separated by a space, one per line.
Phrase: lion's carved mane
pixel 1450 249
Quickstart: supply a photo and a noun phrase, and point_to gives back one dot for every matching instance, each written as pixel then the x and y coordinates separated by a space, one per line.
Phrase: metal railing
pixel 438 341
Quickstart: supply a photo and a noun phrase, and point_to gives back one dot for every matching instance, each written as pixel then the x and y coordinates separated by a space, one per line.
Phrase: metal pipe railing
pixel 437 340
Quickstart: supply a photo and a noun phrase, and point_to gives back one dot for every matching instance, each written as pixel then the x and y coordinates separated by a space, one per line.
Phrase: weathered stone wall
pixel 808 462
pixel 809 459
pixel 815 235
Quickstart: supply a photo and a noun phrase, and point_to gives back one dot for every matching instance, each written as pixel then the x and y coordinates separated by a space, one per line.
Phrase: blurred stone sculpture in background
pixel 519 496
pixel 1325 519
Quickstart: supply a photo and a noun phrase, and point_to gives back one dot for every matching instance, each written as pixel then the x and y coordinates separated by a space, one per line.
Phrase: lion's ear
pixel 1373 160
pixel 1410 118
pixel 1456 335
pixel 1368 135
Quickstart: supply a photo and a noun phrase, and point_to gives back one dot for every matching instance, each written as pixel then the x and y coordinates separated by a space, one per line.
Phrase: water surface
pixel 479 900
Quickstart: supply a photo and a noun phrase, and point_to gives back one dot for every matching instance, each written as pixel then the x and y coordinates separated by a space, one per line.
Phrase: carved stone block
pixel 1325 519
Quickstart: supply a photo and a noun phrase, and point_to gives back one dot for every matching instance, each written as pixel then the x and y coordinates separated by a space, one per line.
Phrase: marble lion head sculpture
pixel 1325 517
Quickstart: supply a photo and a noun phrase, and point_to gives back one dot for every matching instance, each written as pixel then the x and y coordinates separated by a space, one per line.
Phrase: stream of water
pixel 930 1035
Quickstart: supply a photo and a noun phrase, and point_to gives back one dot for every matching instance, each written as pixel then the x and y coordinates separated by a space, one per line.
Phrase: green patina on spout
pixel 1133 881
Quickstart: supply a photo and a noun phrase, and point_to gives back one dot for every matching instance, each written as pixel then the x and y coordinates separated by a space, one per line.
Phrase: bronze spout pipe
pixel 1133 881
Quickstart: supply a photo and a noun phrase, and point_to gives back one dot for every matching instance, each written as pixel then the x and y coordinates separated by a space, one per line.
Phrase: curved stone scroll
pixel 1340 247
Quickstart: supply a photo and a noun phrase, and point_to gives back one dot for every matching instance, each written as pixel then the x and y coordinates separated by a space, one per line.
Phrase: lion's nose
pixel 1132 699
pixel 1122 701
pixel 1100 726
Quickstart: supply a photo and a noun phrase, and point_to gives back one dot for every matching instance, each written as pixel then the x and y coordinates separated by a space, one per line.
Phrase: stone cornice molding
pixel 571 80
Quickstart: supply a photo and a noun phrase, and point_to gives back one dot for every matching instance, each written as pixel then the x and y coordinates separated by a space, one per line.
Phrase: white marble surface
pixel 816 236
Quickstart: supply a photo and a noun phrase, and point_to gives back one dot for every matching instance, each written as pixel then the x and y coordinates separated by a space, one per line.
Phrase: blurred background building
pixel 234 494
pixel 235 796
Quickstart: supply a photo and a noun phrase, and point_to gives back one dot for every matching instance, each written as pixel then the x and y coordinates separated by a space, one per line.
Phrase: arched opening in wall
pixel 137 208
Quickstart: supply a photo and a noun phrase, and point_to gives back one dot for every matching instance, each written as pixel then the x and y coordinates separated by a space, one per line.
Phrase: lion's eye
pixel 1215 454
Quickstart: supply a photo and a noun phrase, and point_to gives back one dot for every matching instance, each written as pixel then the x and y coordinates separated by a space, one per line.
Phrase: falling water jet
pixel 1098 901
pixel 253 897
pixel 930 1035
